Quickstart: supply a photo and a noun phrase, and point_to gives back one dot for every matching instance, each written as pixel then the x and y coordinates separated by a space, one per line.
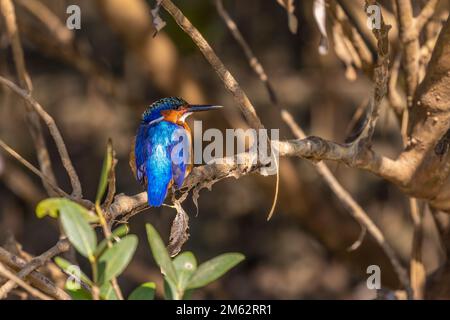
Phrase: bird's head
pixel 172 109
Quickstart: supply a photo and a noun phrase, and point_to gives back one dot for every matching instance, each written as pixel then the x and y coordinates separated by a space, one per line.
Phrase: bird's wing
pixel 162 153
pixel 180 155
pixel 141 150
pixel 153 159
pixel 158 170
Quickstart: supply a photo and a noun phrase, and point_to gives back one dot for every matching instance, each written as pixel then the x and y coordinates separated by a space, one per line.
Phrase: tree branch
pixel 313 148
pixel 54 131
pixel 33 169
pixel 253 60
pixel 425 15
pixel 16 280
pixel 34 126
pixel 36 279
pixel 227 78
pixel 353 207
pixel 411 47
pixel 61 246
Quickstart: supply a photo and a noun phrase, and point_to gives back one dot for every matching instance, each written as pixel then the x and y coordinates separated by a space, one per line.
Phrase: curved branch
pixel 425 15
pixel 229 81
pixel 54 131
pixel 61 246
pixel 35 128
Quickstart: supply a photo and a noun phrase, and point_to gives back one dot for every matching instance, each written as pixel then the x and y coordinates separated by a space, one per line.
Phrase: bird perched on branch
pixel 162 154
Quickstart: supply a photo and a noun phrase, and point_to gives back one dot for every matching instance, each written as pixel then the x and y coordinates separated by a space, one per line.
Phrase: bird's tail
pixel 156 194
pixel 159 176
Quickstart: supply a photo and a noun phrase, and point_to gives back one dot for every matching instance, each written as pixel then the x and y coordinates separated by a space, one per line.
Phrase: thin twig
pixel 36 279
pixel 54 131
pixel 34 125
pixel 410 46
pixel 9 275
pixel 8 12
pixel 395 99
pixel 57 190
pixel 61 246
pixel 425 15
pixel 251 57
pixel 229 81
pixel 355 210
pixel 49 19
pixel 352 206
pixel 21 184
pixel 259 70
pixel 443 231
pixel 417 268
pixel 359 25
pixel 32 168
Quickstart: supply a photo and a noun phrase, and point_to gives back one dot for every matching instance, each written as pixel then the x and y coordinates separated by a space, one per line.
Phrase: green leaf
pixel 169 290
pixel 213 269
pixel 185 265
pixel 160 254
pixel 119 232
pixel 107 292
pixel 49 207
pixel 52 206
pixel 115 259
pixel 68 268
pixel 145 291
pixel 76 291
pixel 78 230
pixel 106 169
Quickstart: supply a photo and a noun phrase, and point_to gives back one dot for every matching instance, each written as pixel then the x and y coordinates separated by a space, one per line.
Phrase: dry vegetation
pixel 376 102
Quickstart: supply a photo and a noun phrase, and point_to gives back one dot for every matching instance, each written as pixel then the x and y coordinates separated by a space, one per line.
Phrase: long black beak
pixel 201 107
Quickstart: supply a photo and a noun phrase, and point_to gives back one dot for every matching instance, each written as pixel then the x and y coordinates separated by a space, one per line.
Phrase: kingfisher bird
pixel 162 154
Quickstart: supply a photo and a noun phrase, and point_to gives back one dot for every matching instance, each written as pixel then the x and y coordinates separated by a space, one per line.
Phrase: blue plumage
pixel 162 150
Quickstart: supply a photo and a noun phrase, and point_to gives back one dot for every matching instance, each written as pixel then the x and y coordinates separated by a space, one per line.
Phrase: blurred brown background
pixel 97 81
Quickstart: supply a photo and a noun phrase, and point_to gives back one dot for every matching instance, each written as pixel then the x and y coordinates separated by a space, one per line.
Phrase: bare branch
pixel 32 168
pixel 229 81
pixel 49 19
pixel 54 131
pixel 411 47
pixel 417 268
pixel 253 61
pixel 57 190
pixel 36 279
pixel 9 275
pixel 426 169
pixel 394 96
pixel 21 184
pixel 425 15
pixel 61 246
pixel 313 148
pixel 7 10
pixel 353 207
